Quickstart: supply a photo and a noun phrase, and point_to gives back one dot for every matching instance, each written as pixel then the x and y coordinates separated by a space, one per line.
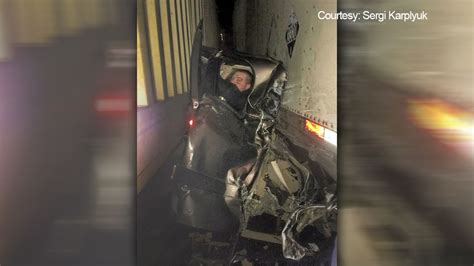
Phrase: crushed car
pixel 238 182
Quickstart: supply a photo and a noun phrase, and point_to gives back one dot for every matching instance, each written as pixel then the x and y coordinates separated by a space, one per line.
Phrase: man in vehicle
pixel 236 96
pixel 242 80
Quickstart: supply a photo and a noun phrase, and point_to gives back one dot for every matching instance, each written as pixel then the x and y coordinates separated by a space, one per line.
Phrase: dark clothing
pixel 232 95
pixel 213 84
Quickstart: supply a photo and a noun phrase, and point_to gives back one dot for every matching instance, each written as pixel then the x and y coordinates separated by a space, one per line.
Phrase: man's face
pixel 241 80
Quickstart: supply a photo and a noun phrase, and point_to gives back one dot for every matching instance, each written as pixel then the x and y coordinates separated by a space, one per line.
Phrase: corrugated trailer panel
pixel 312 67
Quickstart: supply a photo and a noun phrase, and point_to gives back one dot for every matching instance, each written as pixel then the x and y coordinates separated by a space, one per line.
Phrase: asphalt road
pixel 160 241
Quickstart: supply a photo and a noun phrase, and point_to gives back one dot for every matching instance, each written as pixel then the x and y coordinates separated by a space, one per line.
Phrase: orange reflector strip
pixel 322 132
pixel 314 128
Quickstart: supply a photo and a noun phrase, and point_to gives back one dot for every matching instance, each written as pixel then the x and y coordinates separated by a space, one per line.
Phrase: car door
pixel 217 140
pixel 195 63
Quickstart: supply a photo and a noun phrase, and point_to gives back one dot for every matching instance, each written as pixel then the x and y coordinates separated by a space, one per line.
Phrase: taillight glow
pixel 314 128
pixel 113 104
pixel 442 120
pixel 190 122
pixel 322 132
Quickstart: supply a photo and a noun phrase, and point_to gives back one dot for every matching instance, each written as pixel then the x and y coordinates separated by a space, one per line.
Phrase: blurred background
pixel 67 91
pixel 406 147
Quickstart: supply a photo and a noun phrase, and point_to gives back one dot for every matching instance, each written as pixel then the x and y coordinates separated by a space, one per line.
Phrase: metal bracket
pixel 195 104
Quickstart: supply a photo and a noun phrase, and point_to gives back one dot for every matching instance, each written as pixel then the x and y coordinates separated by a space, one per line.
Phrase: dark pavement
pixel 160 241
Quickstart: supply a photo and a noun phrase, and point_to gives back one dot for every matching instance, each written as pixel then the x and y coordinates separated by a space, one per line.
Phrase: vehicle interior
pixel 227 69
pixel 215 81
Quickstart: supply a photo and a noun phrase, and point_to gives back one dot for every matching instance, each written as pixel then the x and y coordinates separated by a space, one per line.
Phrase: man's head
pixel 242 80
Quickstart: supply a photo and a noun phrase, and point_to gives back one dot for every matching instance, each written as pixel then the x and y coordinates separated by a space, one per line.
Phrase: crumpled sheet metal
pixel 268 204
pixel 218 139
pixel 265 170
pixel 234 183
pixel 272 199
pixel 297 222
pixel 275 199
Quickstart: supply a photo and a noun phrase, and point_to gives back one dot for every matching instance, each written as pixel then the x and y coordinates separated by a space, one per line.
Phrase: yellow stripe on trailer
pixel 142 99
pixel 174 34
pixel 167 47
pixel 155 48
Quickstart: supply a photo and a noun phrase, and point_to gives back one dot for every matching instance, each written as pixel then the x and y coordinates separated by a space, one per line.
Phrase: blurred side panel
pixel 5 34
pixel 66 174
pixel 406 151
pixel 23 23
pixel 71 19
pixel 93 11
pixel 112 11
